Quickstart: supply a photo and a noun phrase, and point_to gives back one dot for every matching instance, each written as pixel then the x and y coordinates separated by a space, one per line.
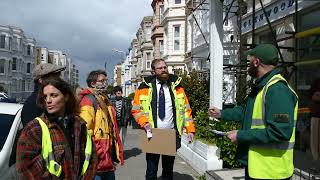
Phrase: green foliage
pixel 2 89
pixel 202 177
pixel 197 90
pixel 227 148
pixel 110 89
pixel 202 124
pixel 131 96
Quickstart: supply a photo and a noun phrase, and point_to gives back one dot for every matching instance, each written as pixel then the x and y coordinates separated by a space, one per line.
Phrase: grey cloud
pixel 86 30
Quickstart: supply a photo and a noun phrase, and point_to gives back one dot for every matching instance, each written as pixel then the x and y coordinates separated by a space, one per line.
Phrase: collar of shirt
pixel 158 83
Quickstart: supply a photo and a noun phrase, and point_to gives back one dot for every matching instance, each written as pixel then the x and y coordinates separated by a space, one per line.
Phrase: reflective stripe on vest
pixel 181 119
pixel 47 153
pixel 271 160
pixel 88 152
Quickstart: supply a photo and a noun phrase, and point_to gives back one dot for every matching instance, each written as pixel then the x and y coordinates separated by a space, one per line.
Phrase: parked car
pixel 3 95
pixel 5 98
pixel 10 124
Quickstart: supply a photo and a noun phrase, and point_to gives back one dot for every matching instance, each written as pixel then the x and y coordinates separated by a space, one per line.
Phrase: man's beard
pixel 253 71
pixel 163 76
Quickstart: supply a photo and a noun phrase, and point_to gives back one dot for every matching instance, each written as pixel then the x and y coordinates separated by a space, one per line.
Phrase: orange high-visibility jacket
pixel 144 108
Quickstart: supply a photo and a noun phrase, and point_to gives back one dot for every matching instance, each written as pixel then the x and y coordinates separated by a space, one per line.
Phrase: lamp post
pixel 123 68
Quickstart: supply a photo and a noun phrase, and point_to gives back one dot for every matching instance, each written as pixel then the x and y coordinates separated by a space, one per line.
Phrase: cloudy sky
pixel 86 30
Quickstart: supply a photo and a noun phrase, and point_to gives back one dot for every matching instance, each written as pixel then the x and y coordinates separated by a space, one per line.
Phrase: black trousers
pixel 152 166
pixel 247 177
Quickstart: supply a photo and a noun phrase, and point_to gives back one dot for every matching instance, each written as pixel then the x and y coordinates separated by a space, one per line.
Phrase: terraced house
pixel 16 62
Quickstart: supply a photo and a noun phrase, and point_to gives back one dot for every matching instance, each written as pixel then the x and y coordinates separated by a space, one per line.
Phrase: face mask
pixel 101 87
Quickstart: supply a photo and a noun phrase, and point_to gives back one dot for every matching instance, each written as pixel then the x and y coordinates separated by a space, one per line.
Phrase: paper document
pixel 218 133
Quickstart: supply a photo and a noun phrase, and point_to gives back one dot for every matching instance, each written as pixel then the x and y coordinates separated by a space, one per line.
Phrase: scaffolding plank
pixel 308 62
pixel 307 33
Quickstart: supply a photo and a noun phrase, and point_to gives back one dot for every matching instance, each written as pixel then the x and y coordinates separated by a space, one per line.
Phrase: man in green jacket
pixel 267 117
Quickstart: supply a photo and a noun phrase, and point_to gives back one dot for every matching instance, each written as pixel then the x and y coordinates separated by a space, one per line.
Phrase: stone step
pixel 225 174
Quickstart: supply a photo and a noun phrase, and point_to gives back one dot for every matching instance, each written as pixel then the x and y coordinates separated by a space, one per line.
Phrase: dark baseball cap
pixel 267 53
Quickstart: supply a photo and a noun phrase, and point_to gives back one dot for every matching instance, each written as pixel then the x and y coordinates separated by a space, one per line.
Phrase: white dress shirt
pixel 167 121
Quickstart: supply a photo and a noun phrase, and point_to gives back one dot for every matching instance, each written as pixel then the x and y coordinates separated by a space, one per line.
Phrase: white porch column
pixel 216 53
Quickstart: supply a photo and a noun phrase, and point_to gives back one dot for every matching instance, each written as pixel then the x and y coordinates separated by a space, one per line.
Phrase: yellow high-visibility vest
pixel 181 116
pixel 47 153
pixel 273 160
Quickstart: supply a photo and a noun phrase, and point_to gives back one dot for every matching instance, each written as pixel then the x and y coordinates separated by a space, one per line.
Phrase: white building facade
pixel 45 55
pixel 174 26
pixel 16 62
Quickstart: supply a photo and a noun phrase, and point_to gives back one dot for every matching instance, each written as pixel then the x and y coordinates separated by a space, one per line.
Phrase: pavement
pixel 135 163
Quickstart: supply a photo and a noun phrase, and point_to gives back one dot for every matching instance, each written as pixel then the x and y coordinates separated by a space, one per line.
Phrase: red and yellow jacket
pixel 102 124
pixel 144 108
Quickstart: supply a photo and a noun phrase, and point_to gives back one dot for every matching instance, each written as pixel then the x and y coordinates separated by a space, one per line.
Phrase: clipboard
pixel 163 142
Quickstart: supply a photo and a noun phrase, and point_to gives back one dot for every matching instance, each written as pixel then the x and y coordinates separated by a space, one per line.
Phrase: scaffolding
pixel 239 69
pixel 290 68
pixel 197 10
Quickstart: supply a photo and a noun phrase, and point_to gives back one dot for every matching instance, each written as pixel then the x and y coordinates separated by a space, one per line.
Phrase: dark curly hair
pixel 117 88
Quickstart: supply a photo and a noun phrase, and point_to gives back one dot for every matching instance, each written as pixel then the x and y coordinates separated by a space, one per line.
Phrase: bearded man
pixel 267 117
pixel 160 102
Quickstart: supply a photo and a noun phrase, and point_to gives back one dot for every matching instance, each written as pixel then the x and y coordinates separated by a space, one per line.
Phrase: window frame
pixel 14 62
pixel 176 38
pixel 3 41
pixel 28 70
pixel 4 64
pixel 175 1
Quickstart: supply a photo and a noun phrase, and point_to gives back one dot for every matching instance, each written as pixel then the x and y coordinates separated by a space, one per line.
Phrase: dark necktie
pixel 161 108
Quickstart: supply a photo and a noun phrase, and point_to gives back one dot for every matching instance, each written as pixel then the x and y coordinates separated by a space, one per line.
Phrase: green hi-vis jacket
pixel 279 116
pixel 272 160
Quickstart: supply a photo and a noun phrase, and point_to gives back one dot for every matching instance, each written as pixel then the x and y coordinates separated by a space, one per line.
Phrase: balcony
pixel 157 32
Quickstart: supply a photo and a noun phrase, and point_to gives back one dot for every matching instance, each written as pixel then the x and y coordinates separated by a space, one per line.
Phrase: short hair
pixel 93 76
pixel 71 105
pixel 155 61
pixel 117 88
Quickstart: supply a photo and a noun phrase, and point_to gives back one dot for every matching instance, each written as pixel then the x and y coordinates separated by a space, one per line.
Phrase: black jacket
pixel 30 108
pixel 125 110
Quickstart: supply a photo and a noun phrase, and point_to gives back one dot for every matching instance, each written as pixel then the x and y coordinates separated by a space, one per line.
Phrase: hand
pixel 214 112
pixel 190 137
pixel 232 135
pixel 147 127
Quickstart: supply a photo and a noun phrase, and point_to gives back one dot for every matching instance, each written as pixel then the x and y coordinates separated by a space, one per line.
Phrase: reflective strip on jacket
pixel 102 124
pixel 142 110
pixel 272 160
pixel 47 153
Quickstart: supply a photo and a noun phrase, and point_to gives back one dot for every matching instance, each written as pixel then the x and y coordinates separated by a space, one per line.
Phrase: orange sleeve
pixel 188 123
pixel 136 110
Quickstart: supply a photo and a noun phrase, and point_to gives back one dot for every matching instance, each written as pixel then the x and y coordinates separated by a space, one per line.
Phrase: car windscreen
pixel 6 121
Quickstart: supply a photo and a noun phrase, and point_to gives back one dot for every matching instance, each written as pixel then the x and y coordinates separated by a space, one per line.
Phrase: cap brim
pixel 247 53
pixel 59 70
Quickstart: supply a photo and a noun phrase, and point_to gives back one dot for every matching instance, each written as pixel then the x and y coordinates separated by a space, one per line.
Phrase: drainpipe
pixel 216 51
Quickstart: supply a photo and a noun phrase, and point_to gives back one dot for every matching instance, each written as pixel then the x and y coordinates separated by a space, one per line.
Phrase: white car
pixel 10 123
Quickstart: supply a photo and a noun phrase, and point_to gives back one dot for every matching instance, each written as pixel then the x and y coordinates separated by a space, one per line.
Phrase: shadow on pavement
pixel 131 152
pixel 178 176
